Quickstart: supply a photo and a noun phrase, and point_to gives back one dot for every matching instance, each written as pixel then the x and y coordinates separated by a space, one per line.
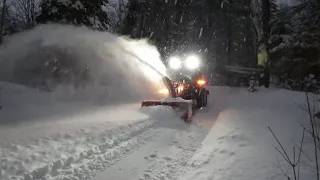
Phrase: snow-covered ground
pixel 240 145
pixel 227 140
pixel 101 132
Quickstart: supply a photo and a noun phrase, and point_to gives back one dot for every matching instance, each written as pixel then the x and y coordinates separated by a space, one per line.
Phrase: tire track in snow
pixel 99 161
pixel 171 163
pixel 165 157
pixel 71 157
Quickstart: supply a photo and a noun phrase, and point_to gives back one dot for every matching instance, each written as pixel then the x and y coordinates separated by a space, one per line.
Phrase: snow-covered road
pixel 227 140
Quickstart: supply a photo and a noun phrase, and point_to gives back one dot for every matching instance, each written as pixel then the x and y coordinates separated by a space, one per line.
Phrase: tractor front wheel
pixel 205 99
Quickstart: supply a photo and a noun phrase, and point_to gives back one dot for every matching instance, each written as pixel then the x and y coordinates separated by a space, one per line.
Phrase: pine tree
pixel 242 49
pixel 205 26
pixel 280 34
pixel 294 40
pixel 168 24
pixel 79 12
pixel 6 21
pixel 217 21
pixel 131 19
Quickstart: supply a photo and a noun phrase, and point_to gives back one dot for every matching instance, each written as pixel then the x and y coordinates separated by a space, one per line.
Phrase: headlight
pixel 180 89
pixel 163 91
pixel 192 62
pixel 175 63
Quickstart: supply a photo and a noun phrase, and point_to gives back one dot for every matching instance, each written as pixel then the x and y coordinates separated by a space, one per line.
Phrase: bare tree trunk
pixel 118 14
pixel 25 11
pixel 263 32
pixel 2 19
pixel 229 40
pixel 1 88
pixel 265 40
pixel 266 25
pixel 255 13
pixel 142 24
pixel 167 16
pixel 226 24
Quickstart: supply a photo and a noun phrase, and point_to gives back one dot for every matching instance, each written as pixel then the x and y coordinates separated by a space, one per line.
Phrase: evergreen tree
pixel 280 34
pixel 242 34
pixel 168 24
pixel 131 19
pixel 205 26
pixel 295 36
pixel 236 33
pixel 79 12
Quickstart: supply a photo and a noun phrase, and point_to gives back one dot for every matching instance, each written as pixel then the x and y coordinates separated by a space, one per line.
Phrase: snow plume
pixel 76 63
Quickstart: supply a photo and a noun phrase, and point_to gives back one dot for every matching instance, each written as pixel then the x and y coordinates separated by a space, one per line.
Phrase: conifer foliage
pixel 78 12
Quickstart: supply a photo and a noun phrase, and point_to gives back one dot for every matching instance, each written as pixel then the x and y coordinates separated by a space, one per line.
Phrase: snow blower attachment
pixel 173 101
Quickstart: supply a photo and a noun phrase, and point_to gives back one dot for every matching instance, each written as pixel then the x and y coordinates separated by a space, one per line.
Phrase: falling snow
pixel 200 34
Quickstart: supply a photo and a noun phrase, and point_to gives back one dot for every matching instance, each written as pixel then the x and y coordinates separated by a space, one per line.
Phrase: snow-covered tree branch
pixel 25 11
pixel 117 13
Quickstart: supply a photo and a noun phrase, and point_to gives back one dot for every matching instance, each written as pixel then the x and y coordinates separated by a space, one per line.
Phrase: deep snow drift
pixel 76 65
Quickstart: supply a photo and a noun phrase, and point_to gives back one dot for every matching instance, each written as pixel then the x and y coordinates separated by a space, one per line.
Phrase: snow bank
pixel 240 146
pixel 76 65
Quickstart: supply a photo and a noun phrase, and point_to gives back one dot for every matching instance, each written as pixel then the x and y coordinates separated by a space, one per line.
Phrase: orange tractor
pixel 186 94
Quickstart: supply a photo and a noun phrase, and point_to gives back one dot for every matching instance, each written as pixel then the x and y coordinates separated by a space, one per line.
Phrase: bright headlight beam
pixel 174 63
pixel 192 62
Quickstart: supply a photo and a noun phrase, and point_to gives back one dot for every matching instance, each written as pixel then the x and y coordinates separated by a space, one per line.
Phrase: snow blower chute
pixel 173 100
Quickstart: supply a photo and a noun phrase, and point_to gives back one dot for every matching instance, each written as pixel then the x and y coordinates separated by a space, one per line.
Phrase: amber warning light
pixel 201 82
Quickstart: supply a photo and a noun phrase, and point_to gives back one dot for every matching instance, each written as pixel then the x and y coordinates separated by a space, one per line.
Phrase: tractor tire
pixel 205 99
pixel 198 102
pixel 202 100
